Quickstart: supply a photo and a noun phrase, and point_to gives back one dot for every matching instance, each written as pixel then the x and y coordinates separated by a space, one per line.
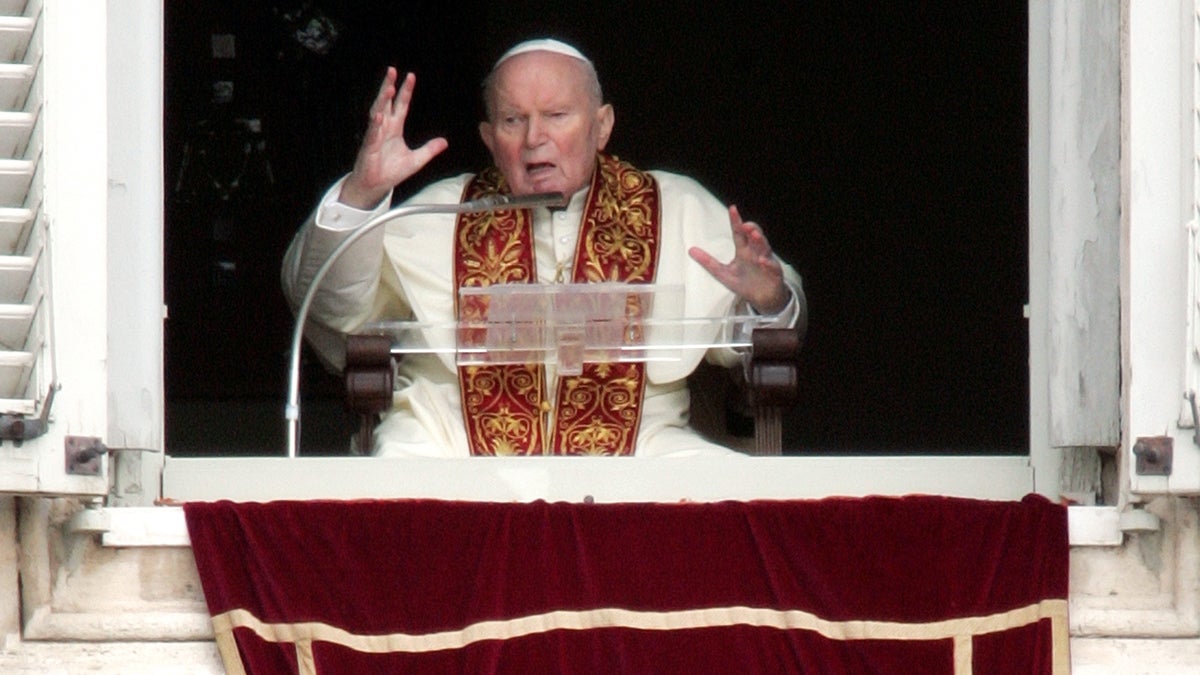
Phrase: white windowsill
pixel 164 526
pixel 573 479
pixel 602 479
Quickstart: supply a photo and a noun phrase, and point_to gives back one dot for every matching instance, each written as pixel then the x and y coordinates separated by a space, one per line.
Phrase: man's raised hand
pixel 754 273
pixel 385 159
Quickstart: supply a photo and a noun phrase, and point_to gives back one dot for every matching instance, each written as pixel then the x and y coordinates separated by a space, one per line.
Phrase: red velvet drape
pixel 877 585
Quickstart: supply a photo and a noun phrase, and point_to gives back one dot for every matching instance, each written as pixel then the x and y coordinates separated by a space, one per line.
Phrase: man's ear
pixel 488 133
pixel 604 118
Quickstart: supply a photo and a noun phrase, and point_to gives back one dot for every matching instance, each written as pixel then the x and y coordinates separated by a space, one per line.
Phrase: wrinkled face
pixel 545 126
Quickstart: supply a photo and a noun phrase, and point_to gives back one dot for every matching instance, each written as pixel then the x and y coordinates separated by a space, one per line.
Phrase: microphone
pixel 291 411
pixel 500 202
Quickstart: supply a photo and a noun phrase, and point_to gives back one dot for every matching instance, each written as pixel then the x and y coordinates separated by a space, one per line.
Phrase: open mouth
pixel 537 168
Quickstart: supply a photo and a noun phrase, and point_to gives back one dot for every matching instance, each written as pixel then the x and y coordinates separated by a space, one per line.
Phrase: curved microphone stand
pixel 499 202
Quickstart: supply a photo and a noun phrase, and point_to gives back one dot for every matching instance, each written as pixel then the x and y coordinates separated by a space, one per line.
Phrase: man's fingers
pixel 735 226
pixel 404 97
pixel 387 89
pixel 706 261
pixel 432 148
pixel 748 237
pixel 719 270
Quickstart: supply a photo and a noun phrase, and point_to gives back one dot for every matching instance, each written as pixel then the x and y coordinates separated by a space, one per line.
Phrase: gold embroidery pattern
pixel 599 411
pixel 620 241
pixel 503 405
pixel 496 247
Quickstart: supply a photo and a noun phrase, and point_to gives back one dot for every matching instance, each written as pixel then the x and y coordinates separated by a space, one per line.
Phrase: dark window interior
pixel 883 148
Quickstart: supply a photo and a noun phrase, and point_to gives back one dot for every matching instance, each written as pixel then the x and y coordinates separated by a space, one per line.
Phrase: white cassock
pixel 404 270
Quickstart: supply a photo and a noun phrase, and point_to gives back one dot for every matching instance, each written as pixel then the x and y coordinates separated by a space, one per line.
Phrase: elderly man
pixel 547 127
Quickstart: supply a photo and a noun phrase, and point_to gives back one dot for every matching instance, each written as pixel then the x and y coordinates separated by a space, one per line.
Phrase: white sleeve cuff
pixel 334 215
pixel 784 318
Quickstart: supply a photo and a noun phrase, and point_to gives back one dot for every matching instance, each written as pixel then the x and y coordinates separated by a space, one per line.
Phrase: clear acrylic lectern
pixel 567 325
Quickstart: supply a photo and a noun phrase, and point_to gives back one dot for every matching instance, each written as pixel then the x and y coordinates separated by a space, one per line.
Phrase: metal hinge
pixel 1190 395
pixel 19 428
pixel 82 454
pixel 1154 455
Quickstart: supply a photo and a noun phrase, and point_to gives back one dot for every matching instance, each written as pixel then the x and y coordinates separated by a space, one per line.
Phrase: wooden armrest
pixel 773 384
pixel 369 379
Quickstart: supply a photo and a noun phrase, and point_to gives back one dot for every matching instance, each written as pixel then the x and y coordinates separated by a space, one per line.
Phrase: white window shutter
pixel 52 253
pixel 23 323
pixel 1084 195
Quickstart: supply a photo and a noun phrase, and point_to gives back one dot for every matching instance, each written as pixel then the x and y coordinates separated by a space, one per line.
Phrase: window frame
pixel 1040 471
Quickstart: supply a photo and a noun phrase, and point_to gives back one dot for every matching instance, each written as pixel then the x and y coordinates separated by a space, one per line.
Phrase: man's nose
pixel 535 133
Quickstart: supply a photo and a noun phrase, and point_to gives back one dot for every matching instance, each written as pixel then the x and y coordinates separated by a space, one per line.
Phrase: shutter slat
pixel 13 7
pixel 15 322
pixel 16 175
pixel 15 131
pixel 15 79
pixel 14 228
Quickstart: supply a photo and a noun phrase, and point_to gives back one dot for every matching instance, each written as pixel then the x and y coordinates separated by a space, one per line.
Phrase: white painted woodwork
pixel 70 183
pixel 602 478
pixel 1047 461
pixel 1084 202
pixel 166 527
pixel 1158 107
pixel 135 216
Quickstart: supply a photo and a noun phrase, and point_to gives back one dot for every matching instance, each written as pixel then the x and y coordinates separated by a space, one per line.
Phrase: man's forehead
pixel 542 45
pixel 548 77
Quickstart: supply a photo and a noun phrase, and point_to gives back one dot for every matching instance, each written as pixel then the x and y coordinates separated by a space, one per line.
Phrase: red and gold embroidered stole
pixel 597 412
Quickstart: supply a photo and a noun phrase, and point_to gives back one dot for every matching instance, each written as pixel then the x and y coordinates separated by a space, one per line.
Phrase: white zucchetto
pixel 542 45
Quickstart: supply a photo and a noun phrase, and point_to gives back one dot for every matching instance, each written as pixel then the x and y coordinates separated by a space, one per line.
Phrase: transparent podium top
pixel 568 325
